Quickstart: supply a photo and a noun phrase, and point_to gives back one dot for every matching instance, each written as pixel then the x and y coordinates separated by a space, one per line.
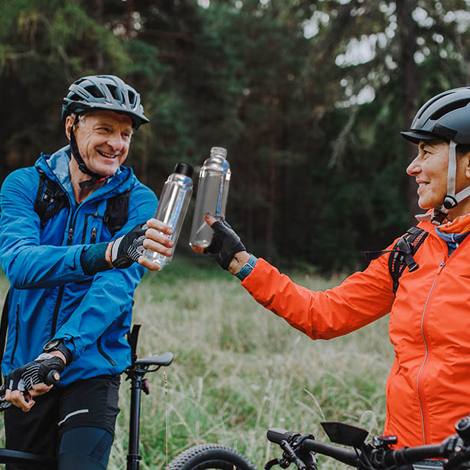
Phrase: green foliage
pixel 318 166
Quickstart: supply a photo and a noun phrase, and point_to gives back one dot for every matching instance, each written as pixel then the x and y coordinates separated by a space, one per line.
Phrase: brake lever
pixel 292 456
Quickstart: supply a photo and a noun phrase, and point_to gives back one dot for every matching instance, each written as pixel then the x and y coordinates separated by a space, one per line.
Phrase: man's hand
pixel 226 247
pixel 31 380
pixel 128 249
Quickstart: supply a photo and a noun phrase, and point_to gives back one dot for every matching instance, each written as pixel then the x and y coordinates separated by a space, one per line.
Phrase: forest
pixel 308 97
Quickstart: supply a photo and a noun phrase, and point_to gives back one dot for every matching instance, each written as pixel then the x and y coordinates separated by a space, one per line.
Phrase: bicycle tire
pixel 210 456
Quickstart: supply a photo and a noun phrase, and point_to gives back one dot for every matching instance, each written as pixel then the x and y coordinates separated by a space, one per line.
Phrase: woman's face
pixel 429 169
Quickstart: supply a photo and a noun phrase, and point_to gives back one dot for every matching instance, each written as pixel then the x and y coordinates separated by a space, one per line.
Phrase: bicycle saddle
pixel 164 359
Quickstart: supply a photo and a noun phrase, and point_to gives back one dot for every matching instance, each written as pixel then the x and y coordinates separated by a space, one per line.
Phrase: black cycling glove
pixel 128 248
pixel 225 243
pixel 35 372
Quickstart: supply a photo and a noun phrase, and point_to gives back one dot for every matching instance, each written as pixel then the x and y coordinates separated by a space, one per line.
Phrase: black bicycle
pixel 201 457
pixel 301 450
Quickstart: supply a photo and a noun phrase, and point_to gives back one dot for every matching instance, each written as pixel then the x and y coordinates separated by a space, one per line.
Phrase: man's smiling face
pixel 103 139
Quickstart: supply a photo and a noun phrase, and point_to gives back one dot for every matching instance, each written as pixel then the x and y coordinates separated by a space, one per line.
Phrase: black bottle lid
pixel 184 169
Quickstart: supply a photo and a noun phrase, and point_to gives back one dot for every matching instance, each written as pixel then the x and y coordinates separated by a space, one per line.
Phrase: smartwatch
pixel 247 268
pixel 58 345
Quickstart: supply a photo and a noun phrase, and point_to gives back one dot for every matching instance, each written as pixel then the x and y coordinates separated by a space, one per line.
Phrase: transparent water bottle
pixel 212 193
pixel 172 207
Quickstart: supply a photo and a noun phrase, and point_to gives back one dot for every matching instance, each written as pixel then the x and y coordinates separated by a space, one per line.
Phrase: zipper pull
pixel 93 235
pixel 70 236
pixel 441 266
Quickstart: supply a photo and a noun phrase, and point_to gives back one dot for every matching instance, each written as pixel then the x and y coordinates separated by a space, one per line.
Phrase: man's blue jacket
pixel 51 297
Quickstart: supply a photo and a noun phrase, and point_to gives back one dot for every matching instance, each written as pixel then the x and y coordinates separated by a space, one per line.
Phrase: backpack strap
pixel 401 255
pixel 117 212
pixel 50 199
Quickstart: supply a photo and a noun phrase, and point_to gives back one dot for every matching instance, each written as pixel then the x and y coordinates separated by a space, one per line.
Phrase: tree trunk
pixel 272 184
pixel 98 9
pixel 407 32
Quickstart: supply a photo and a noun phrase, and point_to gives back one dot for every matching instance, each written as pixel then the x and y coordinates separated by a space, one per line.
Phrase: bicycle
pixel 301 450
pixel 203 456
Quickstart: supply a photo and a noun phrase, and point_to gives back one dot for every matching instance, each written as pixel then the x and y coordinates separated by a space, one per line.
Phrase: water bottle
pixel 212 193
pixel 172 207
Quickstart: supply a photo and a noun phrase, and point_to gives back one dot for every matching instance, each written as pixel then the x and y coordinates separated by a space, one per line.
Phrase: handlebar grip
pixel 277 435
pixel 52 377
pixel 408 456
pixel 347 456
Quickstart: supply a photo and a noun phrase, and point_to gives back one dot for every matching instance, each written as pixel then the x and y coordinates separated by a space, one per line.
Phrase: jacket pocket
pixel 100 349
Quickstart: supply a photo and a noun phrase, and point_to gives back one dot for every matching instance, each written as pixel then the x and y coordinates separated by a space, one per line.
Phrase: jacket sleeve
pixel 25 262
pixel 361 299
pixel 111 293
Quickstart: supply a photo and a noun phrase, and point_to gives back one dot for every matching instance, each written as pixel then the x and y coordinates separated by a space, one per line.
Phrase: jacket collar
pixel 56 167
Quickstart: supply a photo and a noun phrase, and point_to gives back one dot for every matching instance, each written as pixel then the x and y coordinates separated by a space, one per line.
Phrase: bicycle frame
pixel 136 374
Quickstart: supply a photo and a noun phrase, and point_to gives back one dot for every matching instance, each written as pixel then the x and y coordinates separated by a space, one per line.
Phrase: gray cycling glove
pixel 41 370
pixel 127 249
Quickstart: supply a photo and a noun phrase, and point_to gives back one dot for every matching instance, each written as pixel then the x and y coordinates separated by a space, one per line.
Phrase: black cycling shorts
pixel 86 403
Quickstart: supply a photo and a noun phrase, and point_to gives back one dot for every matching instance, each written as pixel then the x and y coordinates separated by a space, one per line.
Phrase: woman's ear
pixel 466 159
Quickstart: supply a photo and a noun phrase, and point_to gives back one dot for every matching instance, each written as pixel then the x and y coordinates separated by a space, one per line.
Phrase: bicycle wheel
pixel 210 456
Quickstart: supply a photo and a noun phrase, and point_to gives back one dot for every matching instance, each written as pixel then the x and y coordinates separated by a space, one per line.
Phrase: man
pixel 429 322
pixel 71 229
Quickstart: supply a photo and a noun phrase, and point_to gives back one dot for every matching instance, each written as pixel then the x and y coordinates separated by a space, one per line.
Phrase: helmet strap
pixel 81 164
pixel 451 199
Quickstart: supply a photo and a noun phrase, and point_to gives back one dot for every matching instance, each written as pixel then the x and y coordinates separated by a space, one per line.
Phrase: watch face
pixel 51 345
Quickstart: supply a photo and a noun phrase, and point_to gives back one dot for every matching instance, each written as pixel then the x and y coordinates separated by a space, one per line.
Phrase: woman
pixel 427 389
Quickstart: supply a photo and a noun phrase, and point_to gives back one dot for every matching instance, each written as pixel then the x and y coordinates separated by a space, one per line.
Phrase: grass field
pixel 239 369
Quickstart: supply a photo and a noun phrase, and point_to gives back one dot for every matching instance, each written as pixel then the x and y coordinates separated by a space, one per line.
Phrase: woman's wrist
pixel 238 261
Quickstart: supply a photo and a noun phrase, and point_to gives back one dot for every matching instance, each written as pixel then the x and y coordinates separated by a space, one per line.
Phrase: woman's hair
pixel 463 149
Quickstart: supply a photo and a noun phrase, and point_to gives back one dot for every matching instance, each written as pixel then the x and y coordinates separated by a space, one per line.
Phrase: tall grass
pixel 239 369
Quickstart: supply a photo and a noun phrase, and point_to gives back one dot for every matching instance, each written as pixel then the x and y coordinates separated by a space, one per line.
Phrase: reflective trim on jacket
pixel 50 295
pixel 427 389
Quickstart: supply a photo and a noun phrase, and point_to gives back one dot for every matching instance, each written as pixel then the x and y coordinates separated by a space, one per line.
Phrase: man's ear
pixel 68 126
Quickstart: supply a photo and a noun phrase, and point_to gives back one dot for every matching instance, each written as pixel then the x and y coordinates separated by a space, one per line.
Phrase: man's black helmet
pixel 106 92
pixel 446 116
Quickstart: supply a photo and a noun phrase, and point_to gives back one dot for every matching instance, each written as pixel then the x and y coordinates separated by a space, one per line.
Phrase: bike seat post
pixel 137 383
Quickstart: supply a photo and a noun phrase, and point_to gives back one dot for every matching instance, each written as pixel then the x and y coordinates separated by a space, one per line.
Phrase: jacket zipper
pixel 100 349
pixel 441 266
pixel 69 242
pixel 61 291
pixel 17 332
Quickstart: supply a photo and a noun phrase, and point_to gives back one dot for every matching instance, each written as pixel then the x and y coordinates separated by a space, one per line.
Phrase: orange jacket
pixel 428 388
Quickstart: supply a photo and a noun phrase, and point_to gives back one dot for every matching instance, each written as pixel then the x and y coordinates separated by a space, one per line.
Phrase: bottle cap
pixel 219 151
pixel 184 169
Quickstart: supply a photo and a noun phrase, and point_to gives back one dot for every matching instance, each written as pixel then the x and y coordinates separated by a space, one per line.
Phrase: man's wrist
pixel 57 346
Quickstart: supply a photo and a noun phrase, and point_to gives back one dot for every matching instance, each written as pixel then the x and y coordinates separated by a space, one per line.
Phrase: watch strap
pixel 247 268
pixel 59 346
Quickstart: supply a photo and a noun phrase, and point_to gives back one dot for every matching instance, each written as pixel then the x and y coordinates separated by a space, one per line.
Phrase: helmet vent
pixel 450 107
pixel 94 91
pixel 114 92
pixel 132 98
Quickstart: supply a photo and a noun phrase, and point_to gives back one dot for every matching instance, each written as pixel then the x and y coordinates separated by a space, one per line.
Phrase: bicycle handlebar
pixel 366 457
pixel 347 456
